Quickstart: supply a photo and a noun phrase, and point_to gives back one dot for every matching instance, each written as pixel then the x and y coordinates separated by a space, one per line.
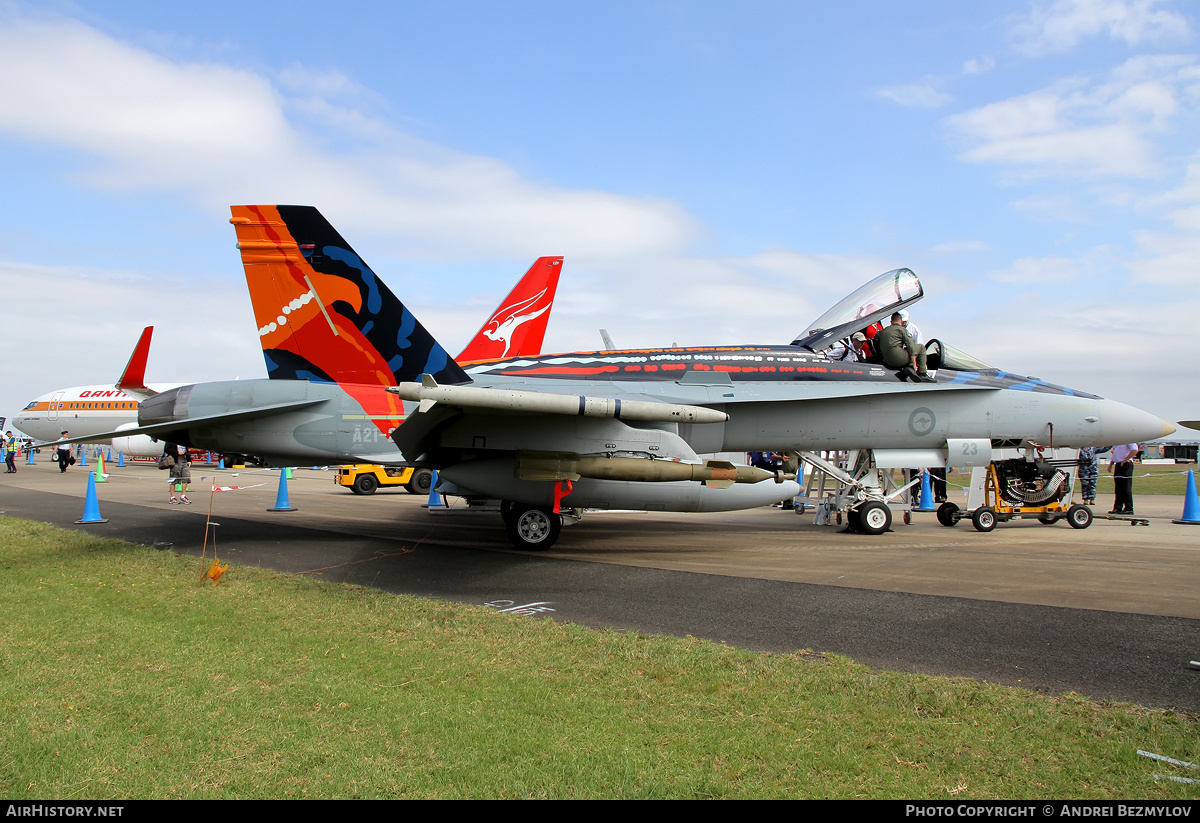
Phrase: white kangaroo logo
pixel 508 318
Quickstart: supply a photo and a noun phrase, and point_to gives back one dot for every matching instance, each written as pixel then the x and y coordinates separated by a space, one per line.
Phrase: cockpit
pixel 868 308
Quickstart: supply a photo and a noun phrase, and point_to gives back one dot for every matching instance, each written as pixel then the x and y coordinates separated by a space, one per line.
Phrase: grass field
pixel 124 679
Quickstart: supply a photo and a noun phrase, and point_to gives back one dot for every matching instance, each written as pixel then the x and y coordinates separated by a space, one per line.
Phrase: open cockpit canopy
pixel 876 302
pixel 868 304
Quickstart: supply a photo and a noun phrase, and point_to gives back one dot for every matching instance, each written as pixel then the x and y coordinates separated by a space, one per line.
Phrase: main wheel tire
pixel 1079 516
pixel 984 519
pixel 533 528
pixel 420 482
pixel 366 484
pixel 874 517
pixel 946 514
pixel 1047 520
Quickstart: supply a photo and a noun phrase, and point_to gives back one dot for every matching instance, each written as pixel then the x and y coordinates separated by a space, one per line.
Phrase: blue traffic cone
pixel 281 500
pixel 120 460
pixel 29 459
pixel 91 508
pixel 82 456
pixel 221 462
pixel 435 499
pixel 926 504
pixel 1191 503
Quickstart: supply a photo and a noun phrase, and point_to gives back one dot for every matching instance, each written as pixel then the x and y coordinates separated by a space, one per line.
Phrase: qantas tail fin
pixel 322 314
pixel 133 379
pixel 518 326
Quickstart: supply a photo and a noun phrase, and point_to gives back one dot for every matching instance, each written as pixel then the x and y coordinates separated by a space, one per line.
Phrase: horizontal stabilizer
pixel 188 423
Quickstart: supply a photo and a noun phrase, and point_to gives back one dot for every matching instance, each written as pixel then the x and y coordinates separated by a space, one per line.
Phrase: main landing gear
pixel 531 528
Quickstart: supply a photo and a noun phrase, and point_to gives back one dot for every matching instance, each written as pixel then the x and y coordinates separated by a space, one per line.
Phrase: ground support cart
pixel 1021 487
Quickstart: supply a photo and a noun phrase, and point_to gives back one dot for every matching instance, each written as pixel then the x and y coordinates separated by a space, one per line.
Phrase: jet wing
pixel 188 423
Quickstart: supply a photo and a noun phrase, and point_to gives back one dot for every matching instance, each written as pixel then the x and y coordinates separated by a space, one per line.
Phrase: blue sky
pixel 713 173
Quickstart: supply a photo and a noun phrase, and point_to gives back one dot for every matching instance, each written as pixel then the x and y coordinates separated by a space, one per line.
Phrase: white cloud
pixel 1082 129
pixel 222 135
pixel 961 247
pixel 922 95
pixel 1044 271
pixel 85 322
pixel 1061 25
pixel 979 65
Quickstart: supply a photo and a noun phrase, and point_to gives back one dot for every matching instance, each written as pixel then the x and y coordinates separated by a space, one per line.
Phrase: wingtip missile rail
pixel 428 393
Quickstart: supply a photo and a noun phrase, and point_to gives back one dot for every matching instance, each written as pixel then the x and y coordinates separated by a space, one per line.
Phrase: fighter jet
pixel 554 434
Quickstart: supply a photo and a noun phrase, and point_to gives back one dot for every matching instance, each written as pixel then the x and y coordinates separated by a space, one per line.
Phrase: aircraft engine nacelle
pixel 137 445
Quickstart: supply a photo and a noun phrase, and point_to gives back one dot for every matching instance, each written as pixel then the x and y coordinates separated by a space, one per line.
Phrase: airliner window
pixel 887 293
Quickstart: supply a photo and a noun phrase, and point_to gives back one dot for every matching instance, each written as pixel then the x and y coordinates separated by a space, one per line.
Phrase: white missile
pixel 428 392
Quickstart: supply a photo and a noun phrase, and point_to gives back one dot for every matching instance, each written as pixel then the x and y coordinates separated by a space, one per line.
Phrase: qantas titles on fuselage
pixel 81 410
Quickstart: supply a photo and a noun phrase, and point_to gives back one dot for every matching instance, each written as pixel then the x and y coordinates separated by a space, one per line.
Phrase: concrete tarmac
pixel 1111 611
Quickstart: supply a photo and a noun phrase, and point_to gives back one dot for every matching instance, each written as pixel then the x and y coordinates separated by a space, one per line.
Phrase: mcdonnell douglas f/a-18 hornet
pixel 554 434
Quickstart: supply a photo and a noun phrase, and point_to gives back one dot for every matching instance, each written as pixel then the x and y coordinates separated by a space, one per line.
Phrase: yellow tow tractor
pixel 365 478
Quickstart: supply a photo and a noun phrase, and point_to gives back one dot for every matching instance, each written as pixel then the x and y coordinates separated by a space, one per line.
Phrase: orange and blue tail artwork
pixel 323 315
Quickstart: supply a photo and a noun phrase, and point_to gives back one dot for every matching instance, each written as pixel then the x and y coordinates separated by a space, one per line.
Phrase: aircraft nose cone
pixel 1124 424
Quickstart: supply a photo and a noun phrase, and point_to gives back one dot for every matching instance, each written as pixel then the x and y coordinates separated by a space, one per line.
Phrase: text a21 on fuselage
pixel 776 397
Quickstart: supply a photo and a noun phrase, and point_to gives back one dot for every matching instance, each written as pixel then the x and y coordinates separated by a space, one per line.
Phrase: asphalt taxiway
pixel 1112 611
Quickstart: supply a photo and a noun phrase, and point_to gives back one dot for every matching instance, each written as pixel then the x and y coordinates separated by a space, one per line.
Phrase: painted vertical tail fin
pixel 133 379
pixel 322 314
pixel 518 325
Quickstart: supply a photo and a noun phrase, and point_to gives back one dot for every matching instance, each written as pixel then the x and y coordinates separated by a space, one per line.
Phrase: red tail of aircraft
pixel 518 326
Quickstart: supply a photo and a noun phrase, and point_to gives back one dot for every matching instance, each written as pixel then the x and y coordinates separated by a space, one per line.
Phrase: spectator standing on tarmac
pixel 1089 473
pixel 63 454
pixel 1120 465
pixel 181 472
pixel 10 459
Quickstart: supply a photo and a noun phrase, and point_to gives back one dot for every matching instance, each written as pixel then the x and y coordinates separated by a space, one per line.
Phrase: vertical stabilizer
pixel 133 379
pixel 322 314
pixel 518 325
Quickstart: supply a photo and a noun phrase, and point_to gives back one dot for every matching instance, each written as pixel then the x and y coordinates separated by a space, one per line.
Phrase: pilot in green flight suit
pixel 899 351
